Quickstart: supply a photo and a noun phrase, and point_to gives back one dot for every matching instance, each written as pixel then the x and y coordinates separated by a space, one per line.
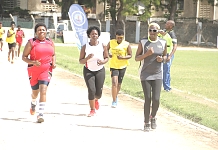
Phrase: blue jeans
pixel 166 74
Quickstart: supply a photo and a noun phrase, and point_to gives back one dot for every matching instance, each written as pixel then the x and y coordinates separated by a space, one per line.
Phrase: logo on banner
pixel 79 24
pixel 78 18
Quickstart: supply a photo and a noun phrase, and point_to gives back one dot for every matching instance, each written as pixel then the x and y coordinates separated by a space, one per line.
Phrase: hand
pixel 168 58
pixel 119 57
pixel 37 63
pixel 89 56
pixel 159 59
pixel 100 62
pixel 53 66
pixel 110 55
pixel 150 51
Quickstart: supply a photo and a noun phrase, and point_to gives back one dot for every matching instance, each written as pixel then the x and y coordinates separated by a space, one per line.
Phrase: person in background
pixel 2 32
pixel 151 53
pixel 171 49
pixel 94 55
pixel 119 52
pixel 11 40
pixel 19 39
pixel 39 54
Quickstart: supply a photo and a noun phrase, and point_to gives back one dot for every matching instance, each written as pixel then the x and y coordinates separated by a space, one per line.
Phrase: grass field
pixel 194 81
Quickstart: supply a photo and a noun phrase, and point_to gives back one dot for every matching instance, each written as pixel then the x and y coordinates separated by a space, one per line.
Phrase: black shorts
pixel 1 39
pixel 118 72
pixel 10 45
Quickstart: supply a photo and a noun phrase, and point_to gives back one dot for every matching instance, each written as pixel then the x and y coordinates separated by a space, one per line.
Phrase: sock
pixel 41 108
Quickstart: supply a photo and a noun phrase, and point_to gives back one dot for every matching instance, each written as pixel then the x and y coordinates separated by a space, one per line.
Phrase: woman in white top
pixel 94 55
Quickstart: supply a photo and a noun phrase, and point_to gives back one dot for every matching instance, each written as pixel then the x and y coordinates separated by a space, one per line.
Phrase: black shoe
pixel 147 127
pixel 153 123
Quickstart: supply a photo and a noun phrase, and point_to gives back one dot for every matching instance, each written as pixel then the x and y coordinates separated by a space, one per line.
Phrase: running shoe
pixel 40 118
pixel 153 123
pixel 32 109
pixel 96 104
pixel 147 127
pixel 114 104
pixel 92 113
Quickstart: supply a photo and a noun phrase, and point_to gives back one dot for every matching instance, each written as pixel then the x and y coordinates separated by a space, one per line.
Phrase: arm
pixel 106 56
pixel 174 40
pixel 23 35
pixel 26 53
pixel 9 34
pixel 108 48
pixel 53 59
pixel 129 53
pixel 82 58
pixel 163 58
pixel 139 56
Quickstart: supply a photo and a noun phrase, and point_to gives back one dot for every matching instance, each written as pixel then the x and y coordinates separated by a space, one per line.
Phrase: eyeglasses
pixel 152 30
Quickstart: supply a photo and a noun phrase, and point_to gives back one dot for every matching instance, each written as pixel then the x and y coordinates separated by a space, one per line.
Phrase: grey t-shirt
pixel 150 69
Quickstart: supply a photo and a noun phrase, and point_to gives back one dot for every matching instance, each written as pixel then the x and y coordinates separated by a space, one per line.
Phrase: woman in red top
pixel 19 39
pixel 40 64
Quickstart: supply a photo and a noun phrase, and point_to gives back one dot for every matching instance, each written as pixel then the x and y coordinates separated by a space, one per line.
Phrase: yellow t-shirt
pixel 118 50
pixel 12 38
pixel 1 32
pixel 169 40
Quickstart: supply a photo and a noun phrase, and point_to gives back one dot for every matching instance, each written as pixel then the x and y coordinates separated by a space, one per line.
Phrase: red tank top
pixel 19 34
pixel 42 50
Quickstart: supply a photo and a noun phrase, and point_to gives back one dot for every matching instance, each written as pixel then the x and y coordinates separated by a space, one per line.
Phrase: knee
pixel 43 91
pixel 114 83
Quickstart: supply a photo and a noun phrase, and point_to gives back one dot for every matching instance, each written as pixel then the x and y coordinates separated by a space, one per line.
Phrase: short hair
pixel 154 24
pixel 12 22
pixel 18 26
pixel 119 32
pixel 90 29
pixel 172 22
pixel 38 25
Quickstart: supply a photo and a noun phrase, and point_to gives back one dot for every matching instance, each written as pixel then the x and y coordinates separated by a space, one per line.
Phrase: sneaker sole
pixel 40 120
pixel 32 112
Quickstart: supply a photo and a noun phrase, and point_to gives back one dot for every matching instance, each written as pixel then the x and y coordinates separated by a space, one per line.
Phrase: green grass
pixel 193 72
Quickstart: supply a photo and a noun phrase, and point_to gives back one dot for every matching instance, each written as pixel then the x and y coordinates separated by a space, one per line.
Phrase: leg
pixel 156 89
pixel 9 52
pixel 166 75
pixel 18 50
pixel 12 50
pixel 89 78
pixel 99 82
pixel 120 79
pixel 146 86
pixel 114 79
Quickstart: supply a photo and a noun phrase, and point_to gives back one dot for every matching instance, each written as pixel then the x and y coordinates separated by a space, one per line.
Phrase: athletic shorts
pixel 39 75
pixel 19 41
pixel 118 72
pixel 10 45
pixel 1 39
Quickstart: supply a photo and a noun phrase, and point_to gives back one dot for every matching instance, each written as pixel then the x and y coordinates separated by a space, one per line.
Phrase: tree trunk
pixel 65 8
pixel 173 7
pixel 113 17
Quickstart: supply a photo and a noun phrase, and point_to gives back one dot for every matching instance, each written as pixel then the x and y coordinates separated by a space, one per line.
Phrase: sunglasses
pixel 153 30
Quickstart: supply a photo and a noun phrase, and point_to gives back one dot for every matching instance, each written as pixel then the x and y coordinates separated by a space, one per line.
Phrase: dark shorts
pixel 1 39
pixel 118 72
pixel 10 45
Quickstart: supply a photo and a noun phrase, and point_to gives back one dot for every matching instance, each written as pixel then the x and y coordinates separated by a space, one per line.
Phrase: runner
pixel 2 32
pixel 151 52
pixel 40 64
pixel 120 52
pixel 11 42
pixel 94 55
pixel 19 39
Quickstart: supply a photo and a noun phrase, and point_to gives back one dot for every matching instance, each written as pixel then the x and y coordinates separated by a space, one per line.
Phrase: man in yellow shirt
pixel 119 51
pixel 2 31
pixel 11 40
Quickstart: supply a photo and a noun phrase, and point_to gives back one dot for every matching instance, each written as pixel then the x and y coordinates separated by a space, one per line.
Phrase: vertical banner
pixel 79 24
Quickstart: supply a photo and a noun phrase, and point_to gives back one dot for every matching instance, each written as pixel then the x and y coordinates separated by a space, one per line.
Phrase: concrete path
pixel 67 127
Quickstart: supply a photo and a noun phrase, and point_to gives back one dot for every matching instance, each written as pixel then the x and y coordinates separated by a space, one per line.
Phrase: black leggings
pixel 94 82
pixel 151 89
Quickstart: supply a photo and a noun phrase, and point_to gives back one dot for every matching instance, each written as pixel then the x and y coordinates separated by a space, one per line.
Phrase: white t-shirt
pixel 98 52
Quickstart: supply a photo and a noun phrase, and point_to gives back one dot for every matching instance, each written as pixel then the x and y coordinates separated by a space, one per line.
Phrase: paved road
pixel 67 127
